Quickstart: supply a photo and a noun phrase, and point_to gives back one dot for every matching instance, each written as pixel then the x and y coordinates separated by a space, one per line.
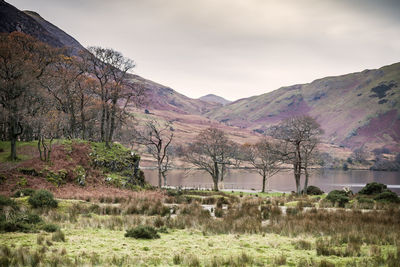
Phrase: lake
pixel 327 180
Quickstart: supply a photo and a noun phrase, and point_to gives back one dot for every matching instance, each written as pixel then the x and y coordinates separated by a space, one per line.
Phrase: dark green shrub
pixel 222 201
pixel 42 198
pixel 24 192
pixel 362 199
pixel 174 192
pixel 345 166
pixel 50 227
pixel 29 171
pixel 142 232
pixel 314 190
pixel 6 201
pixel 219 212
pixel 373 188
pixel 32 218
pixel 13 226
pixel 163 230
pixel 3 178
pixel 387 196
pixel 338 196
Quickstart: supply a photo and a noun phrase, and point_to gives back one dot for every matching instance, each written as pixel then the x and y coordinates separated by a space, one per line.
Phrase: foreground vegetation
pixel 200 228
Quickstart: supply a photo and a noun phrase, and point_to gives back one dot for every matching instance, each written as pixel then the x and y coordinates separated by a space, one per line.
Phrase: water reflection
pixel 327 180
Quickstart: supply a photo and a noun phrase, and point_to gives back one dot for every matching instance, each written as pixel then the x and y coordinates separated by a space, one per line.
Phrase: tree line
pixel 292 142
pixel 45 93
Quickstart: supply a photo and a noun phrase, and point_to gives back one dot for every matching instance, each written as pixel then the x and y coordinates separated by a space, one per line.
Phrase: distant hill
pixel 215 99
pixel 356 109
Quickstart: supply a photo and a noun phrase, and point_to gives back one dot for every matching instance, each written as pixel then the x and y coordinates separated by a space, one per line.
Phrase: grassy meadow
pixel 201 228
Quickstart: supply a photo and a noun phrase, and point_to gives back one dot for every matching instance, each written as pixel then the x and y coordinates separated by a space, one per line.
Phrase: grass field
pixel 250 231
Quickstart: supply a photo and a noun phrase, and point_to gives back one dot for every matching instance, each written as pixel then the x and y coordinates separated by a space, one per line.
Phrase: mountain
pixel 357 109
pixel 65 39
pixel 215 99
pixel 29 22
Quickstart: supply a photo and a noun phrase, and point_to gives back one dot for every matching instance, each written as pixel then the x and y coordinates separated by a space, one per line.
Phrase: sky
pixel 234 48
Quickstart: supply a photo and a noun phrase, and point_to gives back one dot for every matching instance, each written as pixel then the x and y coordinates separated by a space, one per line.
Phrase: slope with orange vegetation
pixel 71 163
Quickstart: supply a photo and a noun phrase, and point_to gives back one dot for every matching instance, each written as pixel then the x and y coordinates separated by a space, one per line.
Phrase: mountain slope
pixel 215 99
pixel 12 19
pixel 354 110
pixel 30 22
pixel 64 38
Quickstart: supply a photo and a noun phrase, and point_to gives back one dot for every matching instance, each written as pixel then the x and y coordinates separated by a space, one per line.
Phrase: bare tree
pixel 211 151
pixel 360 155
pixel 23 60
pixel 309 150
pixel 111 70
pixel 157 139
pixel 266 158
pixel 297 133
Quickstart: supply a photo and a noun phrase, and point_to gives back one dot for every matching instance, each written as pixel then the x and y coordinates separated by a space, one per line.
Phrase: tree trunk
pixel 306 179
pixel 112 124
pixel 298 188
pixel 14 133
pixel 72 126
pixel 107 130
pixel 263 183
pixel 13 155
pixel 39 148
pixel 297 175
pixel 165 178
pixel 159 177
pixel 103 117
pixel 216 176
pixel 297 168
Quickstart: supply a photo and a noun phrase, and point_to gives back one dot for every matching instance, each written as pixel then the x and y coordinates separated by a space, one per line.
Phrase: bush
pixel 338 196
pixel 387 196
pixel 218 213
pixel 361 199
pixel 24 192
pixel 373 188
pixel 43 198
pixel 50 228
pixel 6 201
pixel 314 190
pixel 142 232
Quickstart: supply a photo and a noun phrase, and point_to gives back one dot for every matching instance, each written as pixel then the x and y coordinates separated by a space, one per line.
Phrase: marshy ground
pixel 240 230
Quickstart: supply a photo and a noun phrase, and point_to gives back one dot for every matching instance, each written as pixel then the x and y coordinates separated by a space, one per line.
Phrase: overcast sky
pixel 234 48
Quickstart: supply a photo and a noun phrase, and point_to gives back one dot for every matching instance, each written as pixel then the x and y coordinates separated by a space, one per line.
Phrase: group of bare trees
pixel 45 93
pixel 292 142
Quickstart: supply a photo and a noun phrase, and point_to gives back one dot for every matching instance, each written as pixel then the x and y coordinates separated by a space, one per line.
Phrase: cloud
pixel 234 48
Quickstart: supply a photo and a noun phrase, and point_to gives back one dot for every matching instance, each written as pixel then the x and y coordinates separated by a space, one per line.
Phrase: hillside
pixel 77 169
pixel 354 110
pixel 12 19
pixel 215 99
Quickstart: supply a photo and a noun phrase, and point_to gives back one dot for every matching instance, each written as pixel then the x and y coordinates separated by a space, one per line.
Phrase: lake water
pixel 241 179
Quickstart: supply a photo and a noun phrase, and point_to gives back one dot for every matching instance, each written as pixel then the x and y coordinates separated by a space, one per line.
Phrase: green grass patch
pixel 5 146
